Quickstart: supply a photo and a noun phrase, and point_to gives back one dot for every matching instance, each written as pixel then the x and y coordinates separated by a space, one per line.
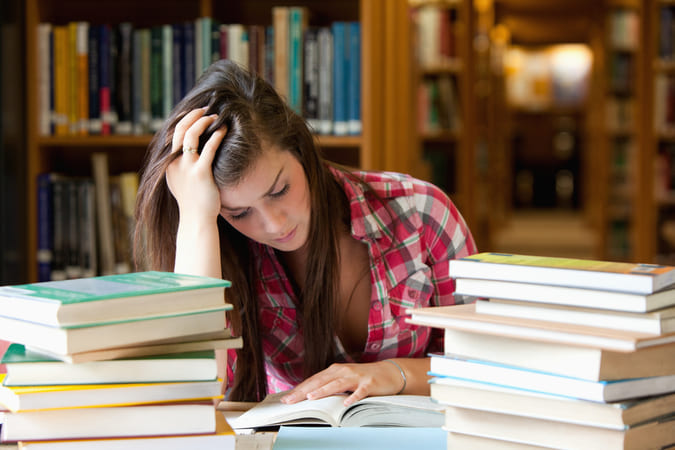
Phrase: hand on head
pixel 189 176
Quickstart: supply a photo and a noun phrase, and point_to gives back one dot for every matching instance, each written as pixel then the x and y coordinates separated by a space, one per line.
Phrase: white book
pixel 546 383
pixel 657 322
pixel 588 274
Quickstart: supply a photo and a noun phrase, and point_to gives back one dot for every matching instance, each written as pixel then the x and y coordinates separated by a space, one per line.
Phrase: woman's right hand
pixel 189 176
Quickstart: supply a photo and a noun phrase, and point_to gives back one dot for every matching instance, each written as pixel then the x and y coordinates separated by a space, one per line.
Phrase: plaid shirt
pixel 409 257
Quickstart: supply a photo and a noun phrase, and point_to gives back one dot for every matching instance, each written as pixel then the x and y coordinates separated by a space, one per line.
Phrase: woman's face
pixel 271 204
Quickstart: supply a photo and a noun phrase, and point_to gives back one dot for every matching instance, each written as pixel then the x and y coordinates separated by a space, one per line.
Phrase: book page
pixel 272 412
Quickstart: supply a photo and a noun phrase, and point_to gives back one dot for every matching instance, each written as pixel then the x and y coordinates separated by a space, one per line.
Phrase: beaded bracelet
pixel 405 379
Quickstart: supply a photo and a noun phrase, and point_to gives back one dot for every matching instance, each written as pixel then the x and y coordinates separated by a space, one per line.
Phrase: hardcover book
pixel 30 368
pixel 110 298
pixel 590 274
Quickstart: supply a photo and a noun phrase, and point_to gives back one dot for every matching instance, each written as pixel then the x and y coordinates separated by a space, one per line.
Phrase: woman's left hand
pixel 362 380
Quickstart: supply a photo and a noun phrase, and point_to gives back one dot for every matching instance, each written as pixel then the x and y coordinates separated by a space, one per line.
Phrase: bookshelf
pixel 443 66
pixel 658 190
pixel 620 64
pixel 71 154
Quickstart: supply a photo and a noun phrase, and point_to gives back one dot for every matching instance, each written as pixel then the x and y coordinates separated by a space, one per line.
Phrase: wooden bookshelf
pixel 382 69
pixel 657 212
pixel 442 91
pixel 619 94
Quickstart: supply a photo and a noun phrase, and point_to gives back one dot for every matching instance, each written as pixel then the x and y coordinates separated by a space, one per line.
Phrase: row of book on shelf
pixel 122 79
pixel 85 224
pixel 115 362
pixel 556 353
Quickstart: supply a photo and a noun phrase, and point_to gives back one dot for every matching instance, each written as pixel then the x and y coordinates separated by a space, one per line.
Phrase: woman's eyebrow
pixel 269 191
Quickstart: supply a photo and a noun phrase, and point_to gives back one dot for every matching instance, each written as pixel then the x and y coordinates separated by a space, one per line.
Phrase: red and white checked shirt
pixel 410 242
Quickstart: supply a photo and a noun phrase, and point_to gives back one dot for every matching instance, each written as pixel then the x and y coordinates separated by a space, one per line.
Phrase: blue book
pixel 45 227
pixel 547 383
pixel 354 84
pixel 297 19
pixel 178 65
pixel 340 79
pixel 357 438
pixel 188 66
pixel 269 54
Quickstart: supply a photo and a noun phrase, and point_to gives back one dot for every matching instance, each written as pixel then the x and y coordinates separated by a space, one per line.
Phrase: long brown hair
pixel 254 115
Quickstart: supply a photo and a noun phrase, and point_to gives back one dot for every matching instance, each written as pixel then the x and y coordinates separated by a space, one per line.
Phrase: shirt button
pixel 412 293
pixel 375 346
pixel 377 306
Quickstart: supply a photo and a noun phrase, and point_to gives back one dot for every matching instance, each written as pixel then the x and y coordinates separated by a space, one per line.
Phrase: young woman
pixel 324 263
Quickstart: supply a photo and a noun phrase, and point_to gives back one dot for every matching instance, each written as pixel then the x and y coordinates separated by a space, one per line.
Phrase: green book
pixel 111 298
pixel 30 368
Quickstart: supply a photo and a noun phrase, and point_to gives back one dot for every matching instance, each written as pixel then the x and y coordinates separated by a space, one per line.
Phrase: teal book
pixel 357 438
pixel 26 367
pixel 111 298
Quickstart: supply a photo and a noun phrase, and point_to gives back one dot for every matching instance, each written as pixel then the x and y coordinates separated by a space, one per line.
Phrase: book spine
pixel 123 95
pixel 103 212
pixel 73 86
pixel 215 41
pixel 45 227
pixel 59 205
pixel 146 85
pixel 94 81
pixel 178 63
pixel 156 79
pixel 167 69
pixel 340 79
pixel 136 83
pixel 269 55
pixel 296 27
pixel 310 82
pixel 104 80
pixel 207 43
pixel 280 23
pixel 87 228
pixel 44 33
pixel 326 61
pixel 61 85
pixel 354 84
pixel 188 66
pixel 82 47
pixel 72 229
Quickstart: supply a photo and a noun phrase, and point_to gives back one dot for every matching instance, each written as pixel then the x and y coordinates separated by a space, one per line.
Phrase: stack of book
pixel 115 359
pixel 556 353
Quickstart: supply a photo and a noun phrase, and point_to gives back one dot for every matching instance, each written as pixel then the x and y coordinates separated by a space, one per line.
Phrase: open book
pixel 384 411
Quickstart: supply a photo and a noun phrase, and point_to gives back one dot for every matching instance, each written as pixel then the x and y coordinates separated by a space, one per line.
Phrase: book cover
pixel 510 376
pixel 563 295
pixel 366 438
pixel 110 298
pixel 105 79
pixel 552 434
pixel 222 439
pixel 465 317
pixel 661 321
pixel 590 363
pixel 519 402
pixel 383 411
pixel 127 421
pixel 82 62
pixel 26 367
pixel 50 397
pixel 221 339
pixel 65 341
pixel 591 274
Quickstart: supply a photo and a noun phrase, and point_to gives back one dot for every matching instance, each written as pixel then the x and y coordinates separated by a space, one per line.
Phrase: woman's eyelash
pixel 281 192
pixel 240 215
